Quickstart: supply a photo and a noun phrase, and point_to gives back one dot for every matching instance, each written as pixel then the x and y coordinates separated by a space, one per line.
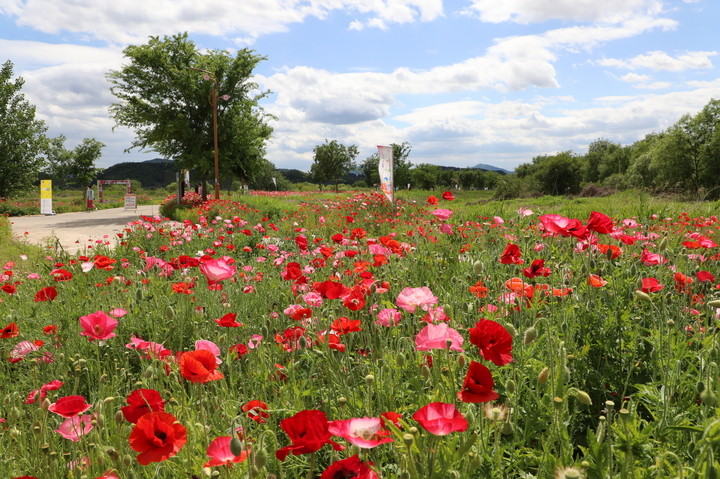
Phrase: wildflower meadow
pixel 339 336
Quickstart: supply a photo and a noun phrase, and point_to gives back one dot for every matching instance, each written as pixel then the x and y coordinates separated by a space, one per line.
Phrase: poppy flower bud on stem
pixel 408 439
pixel 169 313
pixel 715 303
pixel 236 447
pixel 369 379
pixel 261 458
pixel 642 296
pixel 584 398
pixel 400 360
pixel 510 386
pixel 478 267
pixel 543 376
pixel 530 335
pixel 425 371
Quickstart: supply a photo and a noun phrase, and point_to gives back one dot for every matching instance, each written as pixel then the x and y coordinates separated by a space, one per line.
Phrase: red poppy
pixel 256 410
pixel 9 288
pixel 228 321
pixel 650 285
pixel 221 455
pixel 511 255
pixel 240 349
pixel 9 331
pixel 344 325
pixel 604 248
pixel 46 294
pixel 308 431
pixel 183 288
pixel 291 271
pixel 141 402
pixel 493 340
pixel 61 275
pixel 448 196
pixel 478 385
pixel 479 289
pixel 537 268
pixel 559 225
pixel 40 394
pixel 301 242
pixel 331 289
pixel 651 259
pixel 199 366
pixel 599 223
pixel 157 436
pixel 596 281
pixel 69 406
pixel 440 418
pixel 50 329
pixel 432 200
pixel 103 262
pixel 705 276
pixel 350 467
pixel 355 300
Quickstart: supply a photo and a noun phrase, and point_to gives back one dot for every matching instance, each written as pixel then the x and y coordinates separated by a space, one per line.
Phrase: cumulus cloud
pixel 534 11
pixel 658 60
pixel 132 21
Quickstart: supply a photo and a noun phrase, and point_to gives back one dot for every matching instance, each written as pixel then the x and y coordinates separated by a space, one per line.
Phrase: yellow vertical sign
pixel 46 197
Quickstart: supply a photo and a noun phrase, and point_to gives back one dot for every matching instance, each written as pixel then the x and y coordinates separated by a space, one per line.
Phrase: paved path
pixel 76 231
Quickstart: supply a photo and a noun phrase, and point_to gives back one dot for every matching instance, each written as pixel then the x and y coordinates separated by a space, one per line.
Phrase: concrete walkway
pixel 75 231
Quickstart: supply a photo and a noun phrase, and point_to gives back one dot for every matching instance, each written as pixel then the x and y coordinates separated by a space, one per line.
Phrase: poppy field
pixel 302 335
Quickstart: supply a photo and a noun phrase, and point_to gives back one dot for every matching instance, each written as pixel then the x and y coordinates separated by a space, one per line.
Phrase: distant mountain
pixel 157 173
pixel 158 160
pixel 483 166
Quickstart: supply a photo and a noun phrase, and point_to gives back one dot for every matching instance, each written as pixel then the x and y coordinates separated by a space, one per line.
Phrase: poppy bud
pixel 101 420
pixel 342 401
pixel 148 373
pixel 425 371
pixel 139 294
pixel 408 439
pixel 642 296
pixel 236 447
pixel 169 313
pixel 609 253
pixel 113 454
pixel 543 376
pixel 477 267
pixel 261 458
pixel 600 436
pixel 461 360
pixel 530 335
pixel 119 418
pixel 507 429
pixel 254 472
pixel 475 463
pixel 413 430
pixel 708 398
pixel 369 379
pixel 510 386
pixel 14 414
pixel 715 303
pixel 45 404
pixel 663 244
pixel 510 329
pixel 400 360
pixel 584 398
pixel 700 387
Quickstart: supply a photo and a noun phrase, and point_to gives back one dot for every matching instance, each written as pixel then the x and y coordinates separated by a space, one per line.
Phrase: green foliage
pixel 22 137
pixel 76 166
pixel 170 105
pixel 425 176
pixel 332 161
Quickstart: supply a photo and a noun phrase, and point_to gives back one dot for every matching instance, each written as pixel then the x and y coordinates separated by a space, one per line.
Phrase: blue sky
pixel 464 82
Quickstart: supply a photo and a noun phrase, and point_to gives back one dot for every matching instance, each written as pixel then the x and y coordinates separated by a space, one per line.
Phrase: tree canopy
pixel 74 166
pixel 401 166
pixel 167 103
pixel 332 160
pixel 22 136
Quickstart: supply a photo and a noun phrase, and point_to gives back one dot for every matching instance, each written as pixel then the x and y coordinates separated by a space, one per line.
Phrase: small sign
pixel 130 202
pixel 46 197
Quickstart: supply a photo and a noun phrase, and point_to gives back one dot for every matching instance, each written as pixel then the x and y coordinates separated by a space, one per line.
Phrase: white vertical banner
pixel 385 168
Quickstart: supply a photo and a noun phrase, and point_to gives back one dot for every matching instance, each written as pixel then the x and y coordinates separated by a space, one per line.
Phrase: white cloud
pixel 635 78
pixel 658 60
pixel 132 21
pixel 535 11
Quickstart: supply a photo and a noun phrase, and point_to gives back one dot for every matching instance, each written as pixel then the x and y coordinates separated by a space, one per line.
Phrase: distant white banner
pixel 385 168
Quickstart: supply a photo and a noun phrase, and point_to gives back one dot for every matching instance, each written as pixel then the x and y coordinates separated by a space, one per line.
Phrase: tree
pixel 332 161
pixel 76 166
pixel 167 103
pixel 425 176
pixel 22 137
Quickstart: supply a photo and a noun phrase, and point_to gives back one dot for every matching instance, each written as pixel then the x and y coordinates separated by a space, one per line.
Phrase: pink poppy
pixel 210 346
pixel 411 298
pixel 22 349
pixel 436 336
pixel 117 312
pixel 74 427
pixel 217 270
pixel 442 214
pixel 388 317
pixel 219 451
pixel 98 326
pixel 366 432
pixel 559 225
pixel 651 259
pixel 440 418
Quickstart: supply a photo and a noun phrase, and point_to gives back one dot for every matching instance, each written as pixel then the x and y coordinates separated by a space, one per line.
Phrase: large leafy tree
pixel 166 101
pixel 332 161
pixel 22 136
pixel 401 166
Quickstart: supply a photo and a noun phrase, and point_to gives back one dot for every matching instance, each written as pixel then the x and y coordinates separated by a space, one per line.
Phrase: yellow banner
pixel 45 189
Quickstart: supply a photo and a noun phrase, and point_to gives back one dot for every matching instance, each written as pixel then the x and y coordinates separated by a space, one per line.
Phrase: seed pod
pixel 584 398
pixel 530 335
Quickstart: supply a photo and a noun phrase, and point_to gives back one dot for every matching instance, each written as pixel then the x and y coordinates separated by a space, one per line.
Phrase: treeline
pixel 683 159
